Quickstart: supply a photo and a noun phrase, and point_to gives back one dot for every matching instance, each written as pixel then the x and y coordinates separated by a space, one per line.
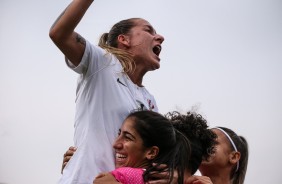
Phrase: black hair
pixel 174 147
pixel 195 128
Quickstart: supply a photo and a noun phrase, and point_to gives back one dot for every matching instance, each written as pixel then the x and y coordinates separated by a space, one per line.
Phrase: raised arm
pixel 62 31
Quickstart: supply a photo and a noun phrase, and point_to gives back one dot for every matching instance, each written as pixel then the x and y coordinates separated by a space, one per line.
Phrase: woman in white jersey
pixel 109 86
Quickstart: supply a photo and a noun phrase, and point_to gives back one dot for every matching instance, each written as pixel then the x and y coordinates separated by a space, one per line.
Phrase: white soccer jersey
pixel 105 96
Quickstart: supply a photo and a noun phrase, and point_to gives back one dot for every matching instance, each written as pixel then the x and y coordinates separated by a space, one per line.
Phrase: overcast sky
pixel 222 58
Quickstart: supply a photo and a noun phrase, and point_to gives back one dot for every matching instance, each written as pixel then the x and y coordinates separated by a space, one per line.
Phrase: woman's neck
pixel 220 178
pixel 136 76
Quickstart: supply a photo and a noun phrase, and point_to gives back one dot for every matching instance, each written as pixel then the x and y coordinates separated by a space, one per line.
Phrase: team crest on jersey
pixel 151 105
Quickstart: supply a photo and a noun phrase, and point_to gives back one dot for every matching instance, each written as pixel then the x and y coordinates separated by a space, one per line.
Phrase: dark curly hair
pixel 195 128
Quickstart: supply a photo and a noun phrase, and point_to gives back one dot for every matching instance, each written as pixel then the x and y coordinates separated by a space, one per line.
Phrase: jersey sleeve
pixel 94 59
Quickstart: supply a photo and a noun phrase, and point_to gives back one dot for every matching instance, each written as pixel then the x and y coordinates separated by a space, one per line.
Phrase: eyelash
pixel 149 31
pixel 127 138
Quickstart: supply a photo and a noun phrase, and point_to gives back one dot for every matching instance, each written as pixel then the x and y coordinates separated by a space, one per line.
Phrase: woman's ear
pixel 152 152
pixel 123 41
pixel 234 157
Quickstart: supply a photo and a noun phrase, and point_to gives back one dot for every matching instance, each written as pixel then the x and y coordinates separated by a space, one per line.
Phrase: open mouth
pixel 157 49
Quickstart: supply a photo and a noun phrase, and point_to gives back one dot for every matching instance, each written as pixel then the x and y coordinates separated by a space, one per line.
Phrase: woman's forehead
pixel 128 124
pixel 142 22
pixel 220 135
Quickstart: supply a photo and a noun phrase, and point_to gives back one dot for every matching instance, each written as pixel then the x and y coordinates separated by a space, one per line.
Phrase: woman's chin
pixel 118 165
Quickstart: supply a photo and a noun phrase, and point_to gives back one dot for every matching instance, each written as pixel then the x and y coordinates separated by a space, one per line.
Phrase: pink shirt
pixel 129 175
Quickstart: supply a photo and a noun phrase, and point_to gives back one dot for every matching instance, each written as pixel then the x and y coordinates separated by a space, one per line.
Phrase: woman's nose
pixel 117 144
pixel 160 38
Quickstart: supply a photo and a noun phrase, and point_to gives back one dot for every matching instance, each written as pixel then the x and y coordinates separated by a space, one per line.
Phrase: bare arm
pixel 62 31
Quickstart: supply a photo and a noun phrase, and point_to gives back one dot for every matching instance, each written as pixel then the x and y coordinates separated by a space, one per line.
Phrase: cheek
pixel 216 155
pixel 134 160
pixel 134 150
pixel 219 153
pixel 137 154
pixel 221 157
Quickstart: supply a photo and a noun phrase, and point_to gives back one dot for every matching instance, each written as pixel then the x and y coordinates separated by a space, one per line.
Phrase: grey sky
pixel 223 58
